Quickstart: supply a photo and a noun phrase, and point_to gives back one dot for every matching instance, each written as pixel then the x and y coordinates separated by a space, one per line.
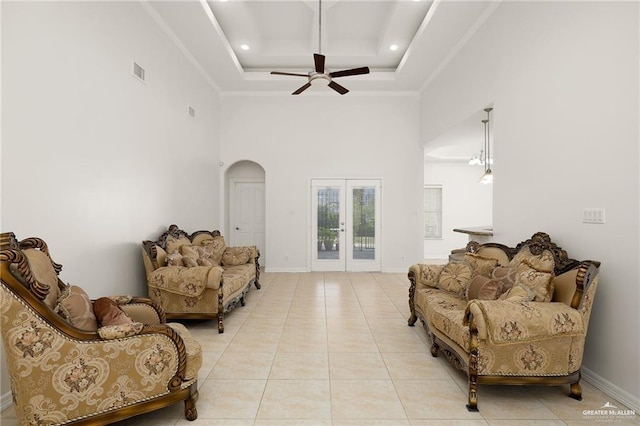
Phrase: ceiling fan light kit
pixel 319 77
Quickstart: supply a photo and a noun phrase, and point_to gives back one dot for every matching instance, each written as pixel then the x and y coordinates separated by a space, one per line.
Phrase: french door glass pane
pixel 328 222
pixel 364 222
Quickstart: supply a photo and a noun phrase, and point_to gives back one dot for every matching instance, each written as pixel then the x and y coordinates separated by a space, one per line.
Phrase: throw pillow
pixel 108 313
pixel 175 259
pixel 483 288
pixel 190 255
pixel 74 305
pixel 235 256
pixel 189 262
pixel 480 265
pixel 543 262
pixel 215 248
pixel 204 261
pixel 518 294
pixel 173 244
pixel 455 277
pixel 540 282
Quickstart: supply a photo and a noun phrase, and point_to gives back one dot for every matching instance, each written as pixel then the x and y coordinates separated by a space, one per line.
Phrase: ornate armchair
pixel 68 366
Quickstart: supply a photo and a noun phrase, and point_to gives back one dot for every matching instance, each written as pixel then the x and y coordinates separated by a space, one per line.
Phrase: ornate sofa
pixel 68 365
pixel 508 315
pixel 198 276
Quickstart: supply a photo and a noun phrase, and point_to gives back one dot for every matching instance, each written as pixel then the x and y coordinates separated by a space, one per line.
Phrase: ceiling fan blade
pixel 302 89
pixel 340 89
pixel 289 73
pixel 319 60
pixel 345 73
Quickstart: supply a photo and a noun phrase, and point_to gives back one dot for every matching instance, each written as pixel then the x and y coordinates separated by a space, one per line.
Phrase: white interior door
pixel 247 215
pixel 345 231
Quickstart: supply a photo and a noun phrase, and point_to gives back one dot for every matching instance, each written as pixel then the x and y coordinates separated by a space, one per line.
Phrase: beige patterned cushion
pixel 480 265
pixel 190 252
pixel 175 259
pixel 235 278
pixel 75 306
pixel 174 244
pixel 214 248
pixel 427 275
pixel 43 272
pixel 234 256
pixel 484 288
pixel 455 277
pixel 540 282
pixel 445 311
pixel 543 262
pixel 518 293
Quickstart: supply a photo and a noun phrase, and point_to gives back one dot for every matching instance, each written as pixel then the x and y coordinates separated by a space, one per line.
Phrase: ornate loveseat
pixel 72 363
pixel 508 315
pixel 198 276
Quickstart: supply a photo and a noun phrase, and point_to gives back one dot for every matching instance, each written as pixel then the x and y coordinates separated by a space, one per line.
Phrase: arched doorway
pixel 245 190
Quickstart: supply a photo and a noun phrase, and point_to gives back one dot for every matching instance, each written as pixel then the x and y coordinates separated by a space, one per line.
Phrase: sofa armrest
pixel 425 275
pixel 504 322
pixel 141 309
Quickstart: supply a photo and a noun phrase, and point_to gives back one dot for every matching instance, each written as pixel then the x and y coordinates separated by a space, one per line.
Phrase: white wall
pixel 93 161
pixel 296 138
pixel 465 203
pixel 564 80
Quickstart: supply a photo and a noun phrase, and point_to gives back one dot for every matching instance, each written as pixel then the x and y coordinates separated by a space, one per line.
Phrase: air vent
pixel 138 71
pixel 192 112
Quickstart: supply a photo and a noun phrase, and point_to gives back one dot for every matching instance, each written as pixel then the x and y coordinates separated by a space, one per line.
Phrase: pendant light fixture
pixel 487 177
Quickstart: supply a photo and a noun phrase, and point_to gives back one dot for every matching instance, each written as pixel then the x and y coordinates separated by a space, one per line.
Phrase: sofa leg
pixel 220 322
pixel 242 303
pixel 190 411
pixel 434 350
pixel 257 284
pixel 472 404
pixel 473 369
pixel 576 390
pixel 412 320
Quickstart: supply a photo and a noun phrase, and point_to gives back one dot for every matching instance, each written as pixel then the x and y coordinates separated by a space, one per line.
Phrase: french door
pixel 345 225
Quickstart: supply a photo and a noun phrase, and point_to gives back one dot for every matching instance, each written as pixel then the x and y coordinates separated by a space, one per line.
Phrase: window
pixel 432 212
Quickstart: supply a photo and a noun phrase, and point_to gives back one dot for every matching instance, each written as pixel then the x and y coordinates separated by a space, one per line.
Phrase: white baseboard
pixel 5 401
pixel 620 395
pixel 395 270
pixel 291 270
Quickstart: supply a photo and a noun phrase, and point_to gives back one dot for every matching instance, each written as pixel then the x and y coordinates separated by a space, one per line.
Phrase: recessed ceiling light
pixel 244 47
pixel 393 47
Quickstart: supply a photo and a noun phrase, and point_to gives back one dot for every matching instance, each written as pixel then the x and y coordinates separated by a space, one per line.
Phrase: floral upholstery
pixel 184 281
pixel 527 318
pixel 197 275
pixel 61 374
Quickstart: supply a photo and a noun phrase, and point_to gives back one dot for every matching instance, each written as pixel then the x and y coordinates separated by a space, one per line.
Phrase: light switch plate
pixel 591 215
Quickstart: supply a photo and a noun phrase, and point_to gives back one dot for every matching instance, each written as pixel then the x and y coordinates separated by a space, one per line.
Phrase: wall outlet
pixel 591 215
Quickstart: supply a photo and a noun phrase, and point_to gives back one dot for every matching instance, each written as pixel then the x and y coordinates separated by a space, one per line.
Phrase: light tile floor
pixel 334 349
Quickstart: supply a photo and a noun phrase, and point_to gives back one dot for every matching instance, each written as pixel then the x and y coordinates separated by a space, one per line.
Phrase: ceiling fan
pixel 319 75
